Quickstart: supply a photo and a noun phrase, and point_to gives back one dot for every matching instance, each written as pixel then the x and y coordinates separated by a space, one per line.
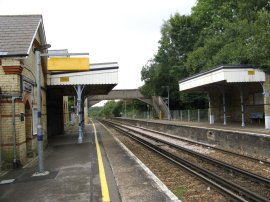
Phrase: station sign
pixel 251 72
pixel 68 64
pixel 64 79
pixel 27 84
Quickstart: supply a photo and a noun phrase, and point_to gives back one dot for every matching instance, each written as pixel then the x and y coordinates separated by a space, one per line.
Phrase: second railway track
pixel 235 183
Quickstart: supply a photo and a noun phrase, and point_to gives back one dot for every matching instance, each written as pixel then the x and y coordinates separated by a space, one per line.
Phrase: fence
pixel 200 115
pixel 233 114
pixel 195 115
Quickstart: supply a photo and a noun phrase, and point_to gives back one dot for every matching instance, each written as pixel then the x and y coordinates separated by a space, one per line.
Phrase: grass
pixel 180 192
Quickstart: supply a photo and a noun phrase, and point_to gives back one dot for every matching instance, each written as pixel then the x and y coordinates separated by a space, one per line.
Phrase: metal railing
pixel 233 114
pixel 194 115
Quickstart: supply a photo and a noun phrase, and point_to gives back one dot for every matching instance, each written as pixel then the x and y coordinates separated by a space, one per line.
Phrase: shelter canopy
pixel 222 75
pixel 99 80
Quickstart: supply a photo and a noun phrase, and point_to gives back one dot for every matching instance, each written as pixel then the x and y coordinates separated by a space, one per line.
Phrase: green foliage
pixel 217 32
pixel 117 108
pixel 71 103
pixel 94 111
pixel 107 110
pixel 235 33
pixel 180 192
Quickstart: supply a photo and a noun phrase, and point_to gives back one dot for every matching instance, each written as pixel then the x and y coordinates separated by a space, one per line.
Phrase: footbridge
pixel 126 94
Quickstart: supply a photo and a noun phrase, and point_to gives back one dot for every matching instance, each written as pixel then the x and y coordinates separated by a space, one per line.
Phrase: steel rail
pixel 200 143
pixel 255 177
pixel 229 186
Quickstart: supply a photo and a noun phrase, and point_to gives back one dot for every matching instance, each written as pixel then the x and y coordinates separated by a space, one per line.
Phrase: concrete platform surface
pixel 74 173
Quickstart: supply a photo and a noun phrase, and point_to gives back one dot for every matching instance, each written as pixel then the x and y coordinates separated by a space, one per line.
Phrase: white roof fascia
pixel 233 75
pixel 100 77
pixel 34 36
pixel 242 75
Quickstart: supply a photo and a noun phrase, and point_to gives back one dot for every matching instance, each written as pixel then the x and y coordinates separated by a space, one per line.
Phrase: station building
pixel 19 36
pixel 236 94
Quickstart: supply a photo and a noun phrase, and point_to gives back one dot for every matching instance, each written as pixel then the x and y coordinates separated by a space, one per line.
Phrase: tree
pixel 217 32
pixel 236 33
pixel 107 109
pixel 178 36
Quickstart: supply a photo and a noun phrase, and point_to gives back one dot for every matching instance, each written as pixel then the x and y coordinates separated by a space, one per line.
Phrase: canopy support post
pixel 242 107
pixel 79 90
pixel 224 109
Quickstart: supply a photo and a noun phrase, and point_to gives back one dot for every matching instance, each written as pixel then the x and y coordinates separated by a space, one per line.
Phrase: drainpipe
pixel 16 163
pixel 0 137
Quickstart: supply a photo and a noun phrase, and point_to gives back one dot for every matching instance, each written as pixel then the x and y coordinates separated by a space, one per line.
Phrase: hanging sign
pixel 64 79
pixel 68 64
pixel 251 72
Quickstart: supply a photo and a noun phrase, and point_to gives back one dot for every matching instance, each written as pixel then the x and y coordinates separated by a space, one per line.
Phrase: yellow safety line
pixel 103 181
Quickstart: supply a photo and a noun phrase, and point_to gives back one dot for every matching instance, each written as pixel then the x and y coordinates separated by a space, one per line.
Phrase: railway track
pixel 262 161
pixel 235 183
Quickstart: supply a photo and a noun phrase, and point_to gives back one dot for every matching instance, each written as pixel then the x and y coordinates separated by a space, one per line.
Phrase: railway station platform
pixel 99 169
pixel 252 140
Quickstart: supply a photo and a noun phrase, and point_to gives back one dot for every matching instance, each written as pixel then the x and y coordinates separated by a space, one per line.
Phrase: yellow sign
pixel 71 64
pixel 64 79
pixel 251 72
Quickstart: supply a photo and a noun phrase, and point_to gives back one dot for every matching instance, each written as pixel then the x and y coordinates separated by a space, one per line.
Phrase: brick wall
pixel 11 84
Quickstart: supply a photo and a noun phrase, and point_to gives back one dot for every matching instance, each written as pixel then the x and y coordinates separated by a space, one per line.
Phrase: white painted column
pixel 211 119
pixel 266 90
pixel 211 116
pixel 267 122
pixel 86 111
pixel 242 108
pixel 224 110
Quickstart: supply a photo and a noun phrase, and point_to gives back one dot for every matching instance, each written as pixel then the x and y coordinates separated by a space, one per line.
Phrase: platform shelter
pixel 236 93
pixel 100 79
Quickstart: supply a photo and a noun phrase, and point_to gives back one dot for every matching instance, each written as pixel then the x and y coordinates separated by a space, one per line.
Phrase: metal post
pixel 125 109
pixel 14 131
pixel 79 97
pixel 133 116
pixel 188 115
pixel 242 108
pixel 0 137
pixel 16 163
pixel 224 110
pixel 148 112
pixel 211 116
pixel 199 116
pixel 181 115
pixel 39 126
pixel 169 114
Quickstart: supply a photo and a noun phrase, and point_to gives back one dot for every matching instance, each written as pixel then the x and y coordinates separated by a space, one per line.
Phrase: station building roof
pixel 99 80
pixel 222 75
pixel 17 34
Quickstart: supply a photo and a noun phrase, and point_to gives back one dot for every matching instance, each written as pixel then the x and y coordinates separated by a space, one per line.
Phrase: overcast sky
pixel 122 31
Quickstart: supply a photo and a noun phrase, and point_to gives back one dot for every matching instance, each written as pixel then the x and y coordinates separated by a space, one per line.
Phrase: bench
pixel 256 116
